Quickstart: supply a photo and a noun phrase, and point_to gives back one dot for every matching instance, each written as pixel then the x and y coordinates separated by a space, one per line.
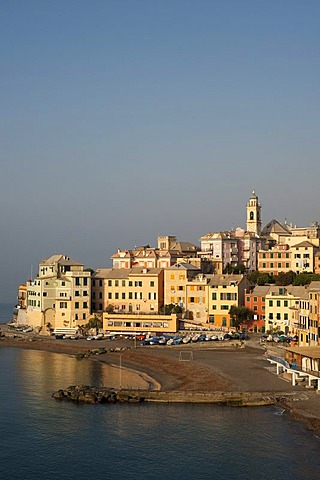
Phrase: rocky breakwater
pixel 96 395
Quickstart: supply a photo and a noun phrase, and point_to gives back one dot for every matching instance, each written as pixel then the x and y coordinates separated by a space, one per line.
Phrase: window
pixel 85 293
pixel 278 316
pixel 130 283
pixel 211 318
pixel 285 316
pixel 264 265
pixel 116 296
pixel 151 283
pixel 77 293
pixel 130 296
pixel 116 283
pixel 279 265
pixel 138 283
pixel 100 283
pixel 85 304
pixel 109 283
pixel 271 265
pixel 63 304
pixel 224 307
pixel 93 283
pixel 172 276
pixel 109 295
pixel 270 303
pixel 123 283
pixel 285 303
pixel 214 307
pixel 278 303
pixel 255 299
pixel 85 281
pixel 76 304
pixel 93 295
pixel 224 322
pixel 100 295
pixel 214 296
pixel 77 281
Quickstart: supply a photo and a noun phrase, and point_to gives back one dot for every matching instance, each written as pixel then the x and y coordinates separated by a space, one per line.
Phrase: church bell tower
pixel 254 214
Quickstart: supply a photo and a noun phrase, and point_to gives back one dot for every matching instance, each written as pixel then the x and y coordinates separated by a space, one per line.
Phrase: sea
pixel 43 439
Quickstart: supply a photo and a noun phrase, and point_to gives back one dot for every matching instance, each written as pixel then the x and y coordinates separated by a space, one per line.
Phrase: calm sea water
pixel 43 439
pixel 6 312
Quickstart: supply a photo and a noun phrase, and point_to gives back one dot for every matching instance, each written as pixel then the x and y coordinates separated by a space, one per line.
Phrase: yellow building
pixel 314 313
pixel 186 287
pixel 132 290
pixel 224 291
pixel 59 298
pixel 283 308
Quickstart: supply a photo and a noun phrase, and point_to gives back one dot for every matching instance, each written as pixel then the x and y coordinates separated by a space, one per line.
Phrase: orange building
pixel 255 300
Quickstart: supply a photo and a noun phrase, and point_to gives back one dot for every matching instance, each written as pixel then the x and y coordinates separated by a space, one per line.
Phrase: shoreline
pixel 162 370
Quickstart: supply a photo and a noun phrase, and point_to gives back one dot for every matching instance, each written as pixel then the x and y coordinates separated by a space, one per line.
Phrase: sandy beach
pixel 205 367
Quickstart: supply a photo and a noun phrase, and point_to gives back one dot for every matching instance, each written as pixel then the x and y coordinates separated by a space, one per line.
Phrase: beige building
pixel 303 254
pixel 275 260
pixel 59 297
pixel 128 291
pixel 139 323
pixel 165 255
pixel 304 323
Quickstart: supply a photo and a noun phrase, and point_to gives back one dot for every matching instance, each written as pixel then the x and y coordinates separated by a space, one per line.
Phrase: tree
pixel 239 315
pixel 169 309
pixel 305 278
pixel 235 270
pixel 285 278
pixel 94 322
pixel 110 308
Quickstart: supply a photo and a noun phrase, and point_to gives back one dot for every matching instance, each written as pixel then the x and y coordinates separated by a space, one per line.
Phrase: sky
pixel 122 120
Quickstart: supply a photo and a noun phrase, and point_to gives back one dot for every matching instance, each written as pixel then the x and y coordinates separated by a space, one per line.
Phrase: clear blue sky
pixel 123 120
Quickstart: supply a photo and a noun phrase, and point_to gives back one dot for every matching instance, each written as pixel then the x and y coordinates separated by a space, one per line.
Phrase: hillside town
pixel 259 279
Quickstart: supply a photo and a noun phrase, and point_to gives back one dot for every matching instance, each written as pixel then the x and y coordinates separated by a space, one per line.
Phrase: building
pixel 186 286
pixel 238 246
pixel 255 300
pixel 275 260
pixel 314 314
pixel 127 291
pixel 225 291
pixel 254 215
pixel 165 255
pixel 282 308
pixel 59 298
pixel 140 323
